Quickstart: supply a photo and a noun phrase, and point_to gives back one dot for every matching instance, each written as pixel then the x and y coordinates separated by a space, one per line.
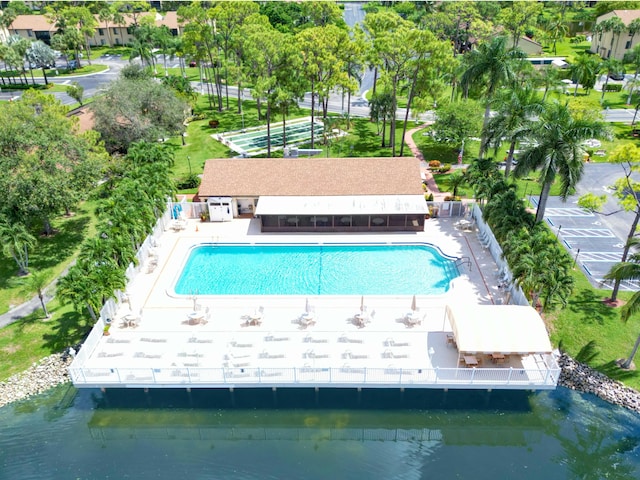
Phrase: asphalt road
pixel 595 240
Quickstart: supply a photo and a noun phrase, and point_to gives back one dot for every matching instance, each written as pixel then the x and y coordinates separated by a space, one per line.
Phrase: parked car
pixel 193 64
pixel 616 76
pixel 73 64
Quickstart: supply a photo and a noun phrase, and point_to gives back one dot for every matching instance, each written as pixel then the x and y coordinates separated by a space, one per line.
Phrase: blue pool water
pixel 316 270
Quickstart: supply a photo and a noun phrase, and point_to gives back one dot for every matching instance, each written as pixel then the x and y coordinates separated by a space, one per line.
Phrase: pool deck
pixel 167 349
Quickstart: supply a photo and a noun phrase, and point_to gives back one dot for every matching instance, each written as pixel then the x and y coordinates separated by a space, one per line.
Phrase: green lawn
pixel 31 338
pixel 51 254
pixel 584 319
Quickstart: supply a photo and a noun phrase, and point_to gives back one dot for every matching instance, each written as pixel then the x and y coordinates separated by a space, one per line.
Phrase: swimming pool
pixel 383 269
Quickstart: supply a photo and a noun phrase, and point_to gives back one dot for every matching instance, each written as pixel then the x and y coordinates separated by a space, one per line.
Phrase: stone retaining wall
pixel 53 370
pixel 580 377
pixel 40 377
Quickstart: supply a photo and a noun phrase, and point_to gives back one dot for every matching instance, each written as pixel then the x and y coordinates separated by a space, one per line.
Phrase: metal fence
pixel 488 240
pixel 545 376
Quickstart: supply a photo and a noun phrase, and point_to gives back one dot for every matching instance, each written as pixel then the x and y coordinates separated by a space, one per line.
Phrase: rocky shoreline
pixel 580 377
pixel 49 372
pixel 53 370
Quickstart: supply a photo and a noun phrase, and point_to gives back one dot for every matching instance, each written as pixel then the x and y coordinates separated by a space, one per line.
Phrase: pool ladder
pixel 464 261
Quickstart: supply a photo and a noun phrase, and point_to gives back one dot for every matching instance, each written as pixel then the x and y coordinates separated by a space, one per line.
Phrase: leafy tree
pixel 75 91
pixel 41 56
pixel 77 19
pixel 457 121
pixel 518 17
pixel 558 150
pixel 230 16
pixel 494 65
pixel 628 156
pixel 322 63
pixel 69 43
pixel 269 51
pixel 603 7
pixel 16 241
pixel 133 110
pixel 48 166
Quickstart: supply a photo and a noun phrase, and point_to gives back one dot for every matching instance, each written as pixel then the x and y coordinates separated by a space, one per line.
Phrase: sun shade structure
pixel 508 329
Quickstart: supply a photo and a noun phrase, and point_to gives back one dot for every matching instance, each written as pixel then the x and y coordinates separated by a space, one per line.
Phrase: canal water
pixel 303 434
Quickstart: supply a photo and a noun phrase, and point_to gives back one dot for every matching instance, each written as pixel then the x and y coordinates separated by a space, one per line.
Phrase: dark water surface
pixel 298 434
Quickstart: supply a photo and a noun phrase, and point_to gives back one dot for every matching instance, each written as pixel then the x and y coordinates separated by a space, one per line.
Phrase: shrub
pixel 434 163
pixel 613 87
pixel 214 123
pixel 444 168
pixel 451 198
pixel 428 197
pixel 190 181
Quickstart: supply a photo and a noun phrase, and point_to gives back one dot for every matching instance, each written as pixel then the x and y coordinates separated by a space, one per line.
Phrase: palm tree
pixel 629 270
pixel 584 71
pixel 610 66
pixel 516 109
pixel 16 241
pixel 37 282
pixel 493 65
pixel 549 78
pixel 557 29
pixel 558 150
pixel 616 26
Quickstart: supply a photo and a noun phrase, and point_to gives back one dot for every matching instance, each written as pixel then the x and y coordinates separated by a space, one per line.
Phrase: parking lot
pixel 595 240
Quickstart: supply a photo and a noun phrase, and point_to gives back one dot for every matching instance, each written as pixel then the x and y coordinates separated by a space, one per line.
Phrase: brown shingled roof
pixel 311 176
pixel 37 23
pixel 627 16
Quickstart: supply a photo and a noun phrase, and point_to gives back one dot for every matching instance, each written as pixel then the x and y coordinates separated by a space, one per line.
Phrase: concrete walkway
pixel 32 305
pixel 432 187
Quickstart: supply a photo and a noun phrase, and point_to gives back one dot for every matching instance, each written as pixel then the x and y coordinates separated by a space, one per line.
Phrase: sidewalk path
pixel 432 187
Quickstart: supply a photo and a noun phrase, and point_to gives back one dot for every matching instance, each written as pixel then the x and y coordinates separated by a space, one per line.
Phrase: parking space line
pixel 587 232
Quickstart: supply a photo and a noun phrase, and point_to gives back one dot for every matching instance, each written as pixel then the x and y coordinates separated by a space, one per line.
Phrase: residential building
pixel 38 27
pixel 609 44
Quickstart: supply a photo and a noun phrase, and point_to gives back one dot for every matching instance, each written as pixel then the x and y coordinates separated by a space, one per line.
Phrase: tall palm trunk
pixel 625 253
pixel 628 361
pixel 542 201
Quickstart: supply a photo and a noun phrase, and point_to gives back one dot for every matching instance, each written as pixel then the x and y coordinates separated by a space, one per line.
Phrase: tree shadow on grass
pixel 613 371
pixel 365 140
pixel 70 329
pixel 588 304
pixel 54 250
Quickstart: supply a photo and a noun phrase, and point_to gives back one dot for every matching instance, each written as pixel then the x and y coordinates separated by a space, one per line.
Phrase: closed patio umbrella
pixel 307 306
pixel 413 304
pixel 362 303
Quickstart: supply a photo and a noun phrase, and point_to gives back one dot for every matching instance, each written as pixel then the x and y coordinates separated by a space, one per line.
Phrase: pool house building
pixel 381 329
pixel 317 194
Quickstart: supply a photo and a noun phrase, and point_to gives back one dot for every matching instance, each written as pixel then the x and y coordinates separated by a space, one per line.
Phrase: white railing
pixel 488 240
pixel 545 376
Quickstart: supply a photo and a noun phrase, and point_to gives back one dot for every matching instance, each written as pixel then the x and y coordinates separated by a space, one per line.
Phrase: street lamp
pixel 575 260
pixel 242 108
